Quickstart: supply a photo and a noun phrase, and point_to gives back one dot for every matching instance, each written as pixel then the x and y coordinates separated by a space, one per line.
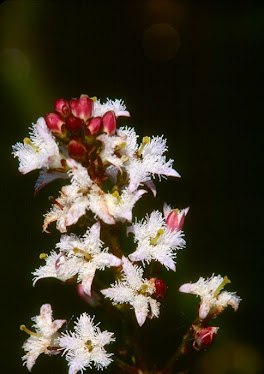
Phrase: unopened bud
pixel 76 149
pixel 62 107
pixel 175 219
pixel 55 123
pixel 161 287
pixel 82 107
pixel 109 122
pixel 94 125
pixel 73 124
pixel 205 338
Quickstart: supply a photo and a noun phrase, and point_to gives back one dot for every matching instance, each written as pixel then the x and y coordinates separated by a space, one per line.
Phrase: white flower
pixel 85 346
pixel 213 301
pixel 40 151
pixel 117 106
pixel 156 241
pixel 82 256
pixel 43 340
pixel 134 290
pixel 146 161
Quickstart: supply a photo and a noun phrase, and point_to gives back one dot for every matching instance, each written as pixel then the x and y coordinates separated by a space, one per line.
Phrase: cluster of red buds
pixel 74 124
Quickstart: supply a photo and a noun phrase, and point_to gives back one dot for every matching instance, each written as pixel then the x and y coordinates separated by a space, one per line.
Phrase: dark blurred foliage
pixel 190 71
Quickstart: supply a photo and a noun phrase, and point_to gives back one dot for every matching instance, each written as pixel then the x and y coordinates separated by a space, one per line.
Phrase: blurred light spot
pixel 15 64
pixel 161 42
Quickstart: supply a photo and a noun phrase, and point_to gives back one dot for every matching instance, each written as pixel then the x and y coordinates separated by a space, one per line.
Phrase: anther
pixel 83 253
pixel 43 256
pixel 29 332
pixel 145 141
pixel 159 233
pixel 221 285
pixel 116 195
pixel 29 142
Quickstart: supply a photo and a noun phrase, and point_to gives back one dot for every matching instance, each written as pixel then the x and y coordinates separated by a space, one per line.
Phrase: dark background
pixel 193 72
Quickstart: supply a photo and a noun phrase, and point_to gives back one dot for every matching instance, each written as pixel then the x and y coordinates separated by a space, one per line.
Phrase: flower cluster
pixel 106 171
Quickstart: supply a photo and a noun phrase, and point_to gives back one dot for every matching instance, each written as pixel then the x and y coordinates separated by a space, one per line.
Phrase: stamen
pixel 29 332
pixel 116 195
pixel 82 252
pixel 143 289
pixel 145 141
pixel 94 98
pixel 120 146
pixel 89 345
pixel 221 285
pixel 159 233
pixel 54 201
pixel 43 256
pixel 29 142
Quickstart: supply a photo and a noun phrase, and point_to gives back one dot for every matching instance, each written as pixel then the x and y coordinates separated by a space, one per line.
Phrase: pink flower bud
pixel 76 149
pixel 109 122
pixel 175 219
pixel 55 123
pixel 73 124
pixel 94 125
pixel 62 107
pixel 82 108
pixel 161 287
pixel 205 338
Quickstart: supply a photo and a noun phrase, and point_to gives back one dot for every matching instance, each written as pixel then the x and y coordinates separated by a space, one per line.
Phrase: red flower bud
pixel 82 108
pixel 161 287
pixel 76 149
pixel 109 122
pixel 55 123
pixel 94 125
pixel 73 124
pixel 205 338
pixel 62 107
pixel 175 219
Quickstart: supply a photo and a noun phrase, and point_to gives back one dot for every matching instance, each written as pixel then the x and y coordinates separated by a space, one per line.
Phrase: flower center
pixel 89 345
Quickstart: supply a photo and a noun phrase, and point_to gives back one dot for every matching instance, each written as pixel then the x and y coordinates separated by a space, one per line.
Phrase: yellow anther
pixel 29 142
pixel 83 253
pixel 94 98
pixel 143 289
pixel 116 195
pixel 29 332
pixel 43 256
pixel 221 285
pixel 120 146
pixel 159 233
pixel 145 141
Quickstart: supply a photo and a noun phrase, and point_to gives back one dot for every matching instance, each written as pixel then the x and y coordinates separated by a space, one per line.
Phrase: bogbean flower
pixel 39 151
pixel 136 291
pixel 44 339
pixel 156 241
pixel 82 256
pixel 85 346
pixel 213 299
pixel 147 160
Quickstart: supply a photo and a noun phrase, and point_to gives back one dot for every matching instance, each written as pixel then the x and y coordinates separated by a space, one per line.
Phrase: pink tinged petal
pixel 138 255
pixel 168 262
pixel 130 229
pixel 55 123
pixel 151 186
pixel 122 113
pixel 107 259
pixel 82 108
pixel 58 323
pixel 95 231
pixel 187 288
pixel 92 300
pixel 173 173
pixel 204 310
pixel 94 125
pixel 175 219
pixel 154 307
pixel 87 285
pixel 109 123
pixel 62 107
pixel 119 294
pixel 166 210
pixel 47 177
pixel 141 308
